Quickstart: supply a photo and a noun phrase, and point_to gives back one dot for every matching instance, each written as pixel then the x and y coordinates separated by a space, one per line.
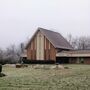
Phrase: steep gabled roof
pixel 57 40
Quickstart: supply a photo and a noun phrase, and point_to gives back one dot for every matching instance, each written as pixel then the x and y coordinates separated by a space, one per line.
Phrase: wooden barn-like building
pixel 47 45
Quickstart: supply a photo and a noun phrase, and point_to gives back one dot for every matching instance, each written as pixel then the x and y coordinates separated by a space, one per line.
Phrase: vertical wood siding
pixel 50 51
pixel 41 49
pixel 40 46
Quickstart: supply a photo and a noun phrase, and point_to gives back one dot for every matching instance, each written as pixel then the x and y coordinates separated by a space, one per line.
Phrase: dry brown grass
pixel 77 77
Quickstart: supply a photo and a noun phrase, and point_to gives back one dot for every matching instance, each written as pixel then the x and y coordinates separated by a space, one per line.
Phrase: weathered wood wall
pixel 36 51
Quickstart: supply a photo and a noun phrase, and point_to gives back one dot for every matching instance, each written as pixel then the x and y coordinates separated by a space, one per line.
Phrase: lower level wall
pixel 76 60
pixel 81 60
pixel 73 60
pixel 87 60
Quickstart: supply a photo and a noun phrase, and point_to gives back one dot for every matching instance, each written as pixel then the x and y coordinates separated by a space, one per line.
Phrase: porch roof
pixel 74 53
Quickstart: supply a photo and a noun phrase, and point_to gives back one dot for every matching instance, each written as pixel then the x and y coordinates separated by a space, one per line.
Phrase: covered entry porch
pixel 73 57
pixel 70 60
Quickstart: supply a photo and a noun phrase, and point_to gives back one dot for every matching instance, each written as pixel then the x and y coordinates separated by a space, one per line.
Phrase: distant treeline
pixel 11 55
pixel 79 43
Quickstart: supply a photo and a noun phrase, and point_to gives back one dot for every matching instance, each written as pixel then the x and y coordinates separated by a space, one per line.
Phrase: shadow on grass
pixel 2 75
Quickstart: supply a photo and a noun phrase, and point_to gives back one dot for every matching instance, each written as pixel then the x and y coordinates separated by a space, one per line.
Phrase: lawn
pixel 77 77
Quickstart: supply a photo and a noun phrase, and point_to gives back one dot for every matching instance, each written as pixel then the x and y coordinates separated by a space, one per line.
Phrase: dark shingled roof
pixel 57 40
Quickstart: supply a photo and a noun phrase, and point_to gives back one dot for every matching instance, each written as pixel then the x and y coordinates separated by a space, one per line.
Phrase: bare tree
pixel 81 43
pixel 84 43
pixel 1 54
pixel 73 41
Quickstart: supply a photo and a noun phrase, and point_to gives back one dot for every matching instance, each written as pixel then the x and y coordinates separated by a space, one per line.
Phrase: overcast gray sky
pixel 19 19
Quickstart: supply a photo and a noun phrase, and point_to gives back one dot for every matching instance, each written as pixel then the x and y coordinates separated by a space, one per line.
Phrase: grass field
pixel 77 77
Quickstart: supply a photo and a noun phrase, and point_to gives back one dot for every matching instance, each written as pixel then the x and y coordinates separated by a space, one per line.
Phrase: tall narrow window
pixel 49 45
pixel 45 43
